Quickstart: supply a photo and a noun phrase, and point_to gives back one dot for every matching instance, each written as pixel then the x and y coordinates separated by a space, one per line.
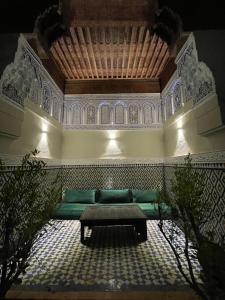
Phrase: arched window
pixel 105 114
pixel 169 108
pixel 91 114
pixel 133 114
pixel 177 97
pixel 119 114
pixel 46 99
pixel 148 114
pixel 76 117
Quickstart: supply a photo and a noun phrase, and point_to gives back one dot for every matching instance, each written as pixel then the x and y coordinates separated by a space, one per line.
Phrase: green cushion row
pixel 109 196
pixel 69 211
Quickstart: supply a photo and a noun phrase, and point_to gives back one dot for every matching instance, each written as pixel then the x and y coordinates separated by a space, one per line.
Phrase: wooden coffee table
pixel 108 215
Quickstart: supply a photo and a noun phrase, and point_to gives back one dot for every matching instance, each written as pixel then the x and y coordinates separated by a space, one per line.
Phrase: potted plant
pixel 28 196
pixel 185 195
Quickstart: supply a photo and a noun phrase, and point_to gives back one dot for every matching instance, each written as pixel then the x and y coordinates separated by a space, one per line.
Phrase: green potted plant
pixel 185 195
pixel 28 196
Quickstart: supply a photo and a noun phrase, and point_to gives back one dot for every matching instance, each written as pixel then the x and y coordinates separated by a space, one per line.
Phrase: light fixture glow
pixel 179 123
pixel 44 127
pixel 112 134
pixel 182 147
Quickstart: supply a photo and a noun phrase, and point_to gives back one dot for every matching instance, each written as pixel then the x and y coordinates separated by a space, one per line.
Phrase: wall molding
pixel 216 158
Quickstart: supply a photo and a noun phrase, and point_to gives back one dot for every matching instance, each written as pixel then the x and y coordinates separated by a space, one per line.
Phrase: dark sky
pixel 19 15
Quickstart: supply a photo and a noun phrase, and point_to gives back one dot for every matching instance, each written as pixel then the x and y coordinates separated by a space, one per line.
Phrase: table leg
pixel 82 233
pixel 141 229
pixel 144 231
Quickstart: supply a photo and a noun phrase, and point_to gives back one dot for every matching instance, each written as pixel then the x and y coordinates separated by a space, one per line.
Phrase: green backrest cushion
pixel 78 196
pixel 143 196
pixel 114 196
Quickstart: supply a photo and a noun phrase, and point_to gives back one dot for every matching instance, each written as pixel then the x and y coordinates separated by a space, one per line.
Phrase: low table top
pixel 113 212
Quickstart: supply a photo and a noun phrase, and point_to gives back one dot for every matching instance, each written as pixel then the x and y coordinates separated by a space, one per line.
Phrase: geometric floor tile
pixel 112 260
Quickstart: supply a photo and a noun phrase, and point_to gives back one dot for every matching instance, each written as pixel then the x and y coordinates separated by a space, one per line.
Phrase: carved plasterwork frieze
pixel 26 79
pixel 192 80
pixel 112 111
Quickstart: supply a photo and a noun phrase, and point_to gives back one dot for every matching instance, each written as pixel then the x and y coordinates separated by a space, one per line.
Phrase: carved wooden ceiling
pixel 109 41
pixel 110 52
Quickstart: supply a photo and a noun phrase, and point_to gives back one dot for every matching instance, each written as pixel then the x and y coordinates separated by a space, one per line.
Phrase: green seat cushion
pixel 69 211
pixel 78 196
pixel 143 196
pixel 114 196
pixel 152 212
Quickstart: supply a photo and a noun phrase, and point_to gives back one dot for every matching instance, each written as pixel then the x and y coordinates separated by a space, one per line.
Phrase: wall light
pixel 179 123
pixel 112 149
pixel 112 134
pixel 44 127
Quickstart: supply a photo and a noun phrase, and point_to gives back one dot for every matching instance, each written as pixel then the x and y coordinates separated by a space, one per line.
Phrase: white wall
pixel 187 131
pixel 23 131
pixel 112 144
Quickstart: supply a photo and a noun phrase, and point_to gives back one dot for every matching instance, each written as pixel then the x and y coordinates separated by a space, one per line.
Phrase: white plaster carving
pixel 113 111
pixel 192 80
pixel 26 79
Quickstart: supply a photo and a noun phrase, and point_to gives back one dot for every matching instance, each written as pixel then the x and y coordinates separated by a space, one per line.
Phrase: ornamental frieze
pixel 113 111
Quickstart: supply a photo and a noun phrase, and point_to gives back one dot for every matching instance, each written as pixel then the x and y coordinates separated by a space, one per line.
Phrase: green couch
pixel 74 202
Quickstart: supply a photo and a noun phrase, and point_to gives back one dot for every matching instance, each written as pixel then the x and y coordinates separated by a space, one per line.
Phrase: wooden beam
pixel 143 50
pixel 149 54
pixel 105 52
pixel 111 53
pixel 91 49
pixel 126 32
pixel 117 51
pixel 155 57
pixel 155 50
pixel 111 86
pixel 63 59
pixel 133 35
pixel 160 60
pixel 75 56
pixel 59 61
pixel 79 52
pixel 137 52
pixel 75 61
pixel 163 63
pixel 68 57
pixel 84 48
pixel 98 51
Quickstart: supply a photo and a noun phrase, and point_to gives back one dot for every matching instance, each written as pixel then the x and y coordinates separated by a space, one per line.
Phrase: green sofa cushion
pixel 143 196
pixel 69 211
pixel 152 212
pixel 114 196
pixel 78 196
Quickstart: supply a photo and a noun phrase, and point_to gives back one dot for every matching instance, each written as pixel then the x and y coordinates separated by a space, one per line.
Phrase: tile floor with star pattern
pixel 112 260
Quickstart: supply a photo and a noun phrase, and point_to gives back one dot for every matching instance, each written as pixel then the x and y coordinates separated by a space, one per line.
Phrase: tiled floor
pixel 112 260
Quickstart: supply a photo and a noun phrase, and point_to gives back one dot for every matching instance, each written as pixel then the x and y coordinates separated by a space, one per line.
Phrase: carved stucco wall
pixel 192 81
pixel 112 111
pixel 25 79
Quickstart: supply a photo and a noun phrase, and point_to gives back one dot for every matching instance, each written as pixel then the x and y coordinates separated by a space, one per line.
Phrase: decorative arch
pixel 149 113
pixel 91 114
pixel 104 110
pixel 133 114
pixel 46 98
pixel 119 113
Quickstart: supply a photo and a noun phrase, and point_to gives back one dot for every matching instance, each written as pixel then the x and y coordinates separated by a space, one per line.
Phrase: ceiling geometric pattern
pixel 110 52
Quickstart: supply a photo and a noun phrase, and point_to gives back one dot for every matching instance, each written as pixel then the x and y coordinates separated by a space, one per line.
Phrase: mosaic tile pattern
pixel 113 259
pixel 137 176
pixel 213 195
